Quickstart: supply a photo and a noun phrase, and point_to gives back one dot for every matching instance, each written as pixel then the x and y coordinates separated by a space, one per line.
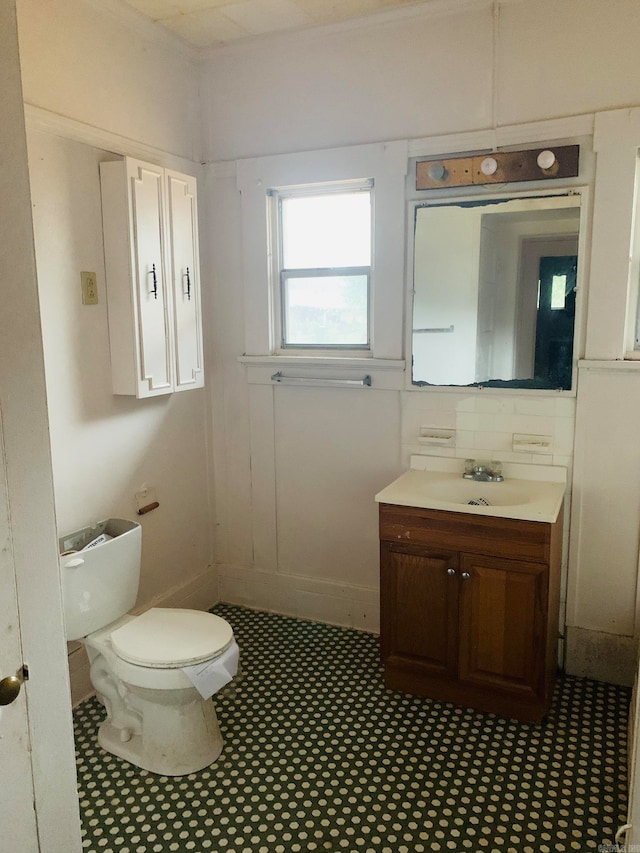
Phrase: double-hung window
pixel 323 262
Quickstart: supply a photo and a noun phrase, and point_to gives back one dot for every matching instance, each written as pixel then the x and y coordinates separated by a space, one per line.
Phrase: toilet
pixel 155 672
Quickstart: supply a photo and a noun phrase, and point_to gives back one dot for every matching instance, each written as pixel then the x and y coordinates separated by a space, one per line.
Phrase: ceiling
pixel 208 23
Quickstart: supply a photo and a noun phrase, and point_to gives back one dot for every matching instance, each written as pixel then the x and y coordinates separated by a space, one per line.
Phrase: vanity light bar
pixel 499 167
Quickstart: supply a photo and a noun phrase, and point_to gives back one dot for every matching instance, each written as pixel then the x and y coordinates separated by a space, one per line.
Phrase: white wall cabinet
pixel 150 226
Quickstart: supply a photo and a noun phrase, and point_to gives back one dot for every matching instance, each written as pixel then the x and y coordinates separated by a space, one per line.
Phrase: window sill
pixel 323 362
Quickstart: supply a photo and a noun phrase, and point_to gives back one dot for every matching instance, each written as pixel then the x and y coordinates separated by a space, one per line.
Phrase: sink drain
pixel 478 502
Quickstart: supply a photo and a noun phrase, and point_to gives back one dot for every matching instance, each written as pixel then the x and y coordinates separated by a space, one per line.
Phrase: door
pixel 17 815
pixel 146 185
pixel 184 280
pixel 419 603
pixel 36 735
pixel 502 624
pixel 556 315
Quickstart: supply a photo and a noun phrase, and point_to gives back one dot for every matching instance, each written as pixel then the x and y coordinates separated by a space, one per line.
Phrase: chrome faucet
pixel 490 472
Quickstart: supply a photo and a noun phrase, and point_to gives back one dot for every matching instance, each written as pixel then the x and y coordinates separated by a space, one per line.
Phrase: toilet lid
pixel 169 638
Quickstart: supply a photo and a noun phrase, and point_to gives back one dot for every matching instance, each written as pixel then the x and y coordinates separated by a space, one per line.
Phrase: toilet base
pixel 173 740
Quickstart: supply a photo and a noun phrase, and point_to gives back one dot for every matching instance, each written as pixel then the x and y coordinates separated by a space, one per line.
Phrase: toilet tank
pixel 99 572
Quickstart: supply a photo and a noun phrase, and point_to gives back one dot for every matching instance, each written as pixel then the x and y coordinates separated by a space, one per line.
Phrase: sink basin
pixel 508 493
pixel 518 498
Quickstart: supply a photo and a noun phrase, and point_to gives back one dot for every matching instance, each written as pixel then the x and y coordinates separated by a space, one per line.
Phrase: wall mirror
pixel 494 291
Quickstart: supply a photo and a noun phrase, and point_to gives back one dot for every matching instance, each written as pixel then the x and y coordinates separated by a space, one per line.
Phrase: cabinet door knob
pixel 465 576
pixel 186 275
pixel 451 572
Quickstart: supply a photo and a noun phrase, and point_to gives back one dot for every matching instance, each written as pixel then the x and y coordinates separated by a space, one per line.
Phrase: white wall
pixel 105 447
pixel 90 62
pixel 428 74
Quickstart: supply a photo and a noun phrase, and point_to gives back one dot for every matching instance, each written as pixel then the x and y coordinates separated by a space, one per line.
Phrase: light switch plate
pixel 89 288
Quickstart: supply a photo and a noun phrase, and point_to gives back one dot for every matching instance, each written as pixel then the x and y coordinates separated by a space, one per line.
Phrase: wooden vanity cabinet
pixel 469 608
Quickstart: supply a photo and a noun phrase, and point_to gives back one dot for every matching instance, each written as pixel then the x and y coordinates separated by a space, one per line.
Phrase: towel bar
pixel 314 380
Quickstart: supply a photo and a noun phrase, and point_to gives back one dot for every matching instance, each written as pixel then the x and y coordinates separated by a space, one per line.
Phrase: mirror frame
pixel 455 196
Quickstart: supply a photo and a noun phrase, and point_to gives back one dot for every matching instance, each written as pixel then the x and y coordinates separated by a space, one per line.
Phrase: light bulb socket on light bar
pixel 546 160
pixel 437 172
pixel 489 166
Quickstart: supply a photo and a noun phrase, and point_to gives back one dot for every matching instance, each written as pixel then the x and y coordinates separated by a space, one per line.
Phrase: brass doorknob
pixel 9 689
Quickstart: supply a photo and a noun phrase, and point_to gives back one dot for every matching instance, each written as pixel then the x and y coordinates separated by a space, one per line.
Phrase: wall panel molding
pixel 45 121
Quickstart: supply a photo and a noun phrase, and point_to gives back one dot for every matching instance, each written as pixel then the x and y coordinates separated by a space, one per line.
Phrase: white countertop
pixel 528 496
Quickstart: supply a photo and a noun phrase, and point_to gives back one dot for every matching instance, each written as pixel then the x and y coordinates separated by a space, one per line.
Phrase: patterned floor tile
pixel 319 756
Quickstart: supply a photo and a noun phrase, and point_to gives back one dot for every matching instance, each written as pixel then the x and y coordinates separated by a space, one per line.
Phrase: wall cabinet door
pixel 151 299
pixel 419 610
pixel 184 278
pixel 153 282
pixel 502 624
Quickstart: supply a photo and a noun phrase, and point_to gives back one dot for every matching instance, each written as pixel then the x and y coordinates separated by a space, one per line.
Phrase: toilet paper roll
pixel 211 676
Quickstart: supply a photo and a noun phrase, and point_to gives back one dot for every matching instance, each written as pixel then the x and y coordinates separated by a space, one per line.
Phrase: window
pixel 558 292
pixel 324 251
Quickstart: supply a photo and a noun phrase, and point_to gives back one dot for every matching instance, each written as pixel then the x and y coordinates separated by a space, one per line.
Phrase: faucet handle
pixel 469 469
pixel 495 471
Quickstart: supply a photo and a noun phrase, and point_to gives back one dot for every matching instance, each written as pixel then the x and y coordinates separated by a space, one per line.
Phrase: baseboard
pixel 296 595
pixel 199 593
pixel 603 657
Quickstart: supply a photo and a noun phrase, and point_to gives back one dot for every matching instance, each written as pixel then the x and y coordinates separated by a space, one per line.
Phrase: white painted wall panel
pixel 224 320
pixel 334 449
pixel 606 502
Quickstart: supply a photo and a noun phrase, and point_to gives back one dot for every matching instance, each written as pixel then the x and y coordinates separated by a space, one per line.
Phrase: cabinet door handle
pixel 154 289
pixel 186 275
pixel 465 576
pixel 451 572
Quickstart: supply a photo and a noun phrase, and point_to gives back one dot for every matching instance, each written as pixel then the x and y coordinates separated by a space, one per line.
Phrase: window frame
pixel 280 275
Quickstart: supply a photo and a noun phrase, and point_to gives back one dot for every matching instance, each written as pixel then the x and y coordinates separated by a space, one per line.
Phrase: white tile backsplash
pixel 485 424
pixel 536 406
pixel 493 405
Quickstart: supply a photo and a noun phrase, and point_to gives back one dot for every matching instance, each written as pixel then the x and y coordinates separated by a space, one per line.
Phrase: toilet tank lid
pixel 170 637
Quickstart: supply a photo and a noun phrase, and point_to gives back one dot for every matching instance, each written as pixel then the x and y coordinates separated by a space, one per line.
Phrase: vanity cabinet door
pixel 419 610
pixel 502 625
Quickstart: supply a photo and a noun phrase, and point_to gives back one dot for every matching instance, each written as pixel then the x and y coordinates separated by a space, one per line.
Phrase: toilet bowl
pixel 155 672
pixel 156 718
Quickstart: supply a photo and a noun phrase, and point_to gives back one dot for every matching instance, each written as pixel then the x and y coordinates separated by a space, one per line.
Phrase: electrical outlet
pixel 89 288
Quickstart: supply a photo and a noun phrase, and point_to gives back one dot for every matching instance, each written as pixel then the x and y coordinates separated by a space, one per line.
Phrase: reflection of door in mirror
pixel 546 310
pixel 556 313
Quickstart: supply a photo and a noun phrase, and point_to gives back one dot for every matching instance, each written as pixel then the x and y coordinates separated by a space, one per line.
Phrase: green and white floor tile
pixel 318 756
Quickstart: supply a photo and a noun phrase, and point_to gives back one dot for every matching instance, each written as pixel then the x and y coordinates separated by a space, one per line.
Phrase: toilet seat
pixel 168 638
